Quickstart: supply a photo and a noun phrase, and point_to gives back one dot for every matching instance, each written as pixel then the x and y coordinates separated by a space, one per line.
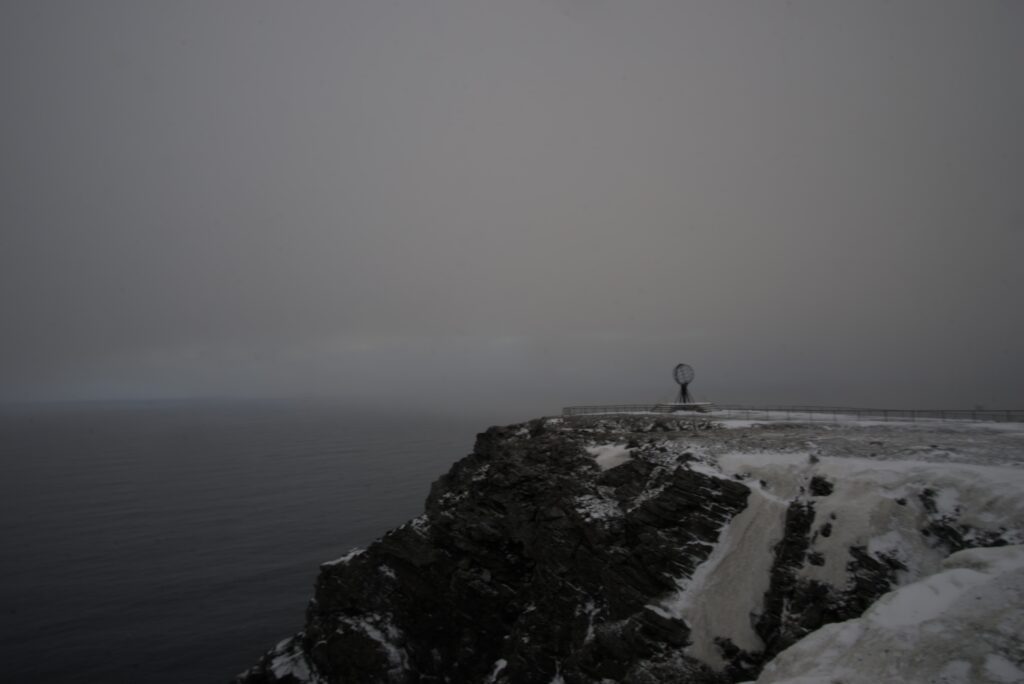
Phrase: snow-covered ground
pixel 750 417
pixel 949 441
pixel 961 625
pixel 953 618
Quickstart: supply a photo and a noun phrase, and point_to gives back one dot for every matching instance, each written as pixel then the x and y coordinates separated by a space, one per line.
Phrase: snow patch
pixel 729 587
pixel 420 523
pixel 607 456
pixel 499 665
pixel 925 600
pixel 959 625
pixel 383 631
pixel 946 502
pixel 593 507
pixel 346 558
pixel 876 504
pixel 955 672
pixel 1000 669
pixel 287 659
pixel 589 609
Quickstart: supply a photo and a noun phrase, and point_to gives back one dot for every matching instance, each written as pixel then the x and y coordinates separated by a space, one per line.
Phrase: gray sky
pixel 513 204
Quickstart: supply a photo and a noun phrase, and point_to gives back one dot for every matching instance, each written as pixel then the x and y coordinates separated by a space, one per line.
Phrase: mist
pixel 516 206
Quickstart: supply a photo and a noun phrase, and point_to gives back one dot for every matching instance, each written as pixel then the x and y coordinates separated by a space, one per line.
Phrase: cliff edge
pixel 643 549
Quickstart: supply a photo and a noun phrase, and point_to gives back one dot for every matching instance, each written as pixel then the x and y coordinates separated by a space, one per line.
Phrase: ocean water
pixel 175 542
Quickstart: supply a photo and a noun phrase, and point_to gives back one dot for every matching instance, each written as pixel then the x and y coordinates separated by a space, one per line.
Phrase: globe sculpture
pixel 683 375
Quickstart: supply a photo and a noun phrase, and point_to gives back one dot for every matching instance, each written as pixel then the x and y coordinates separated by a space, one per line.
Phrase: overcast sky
pixel 523 204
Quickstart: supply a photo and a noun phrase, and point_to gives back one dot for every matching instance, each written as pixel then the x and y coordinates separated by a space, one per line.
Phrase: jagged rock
pixel 536 560
pixel 820 486
pixel 789 598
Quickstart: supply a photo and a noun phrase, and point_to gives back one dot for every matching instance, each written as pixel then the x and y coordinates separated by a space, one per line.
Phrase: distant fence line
pixel 884 415
pixel 809 413
pixel 634 408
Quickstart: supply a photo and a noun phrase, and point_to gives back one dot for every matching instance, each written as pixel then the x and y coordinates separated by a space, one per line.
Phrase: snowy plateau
pixel 642 548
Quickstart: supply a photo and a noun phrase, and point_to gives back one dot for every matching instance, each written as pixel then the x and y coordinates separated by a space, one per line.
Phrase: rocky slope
pixel 641 549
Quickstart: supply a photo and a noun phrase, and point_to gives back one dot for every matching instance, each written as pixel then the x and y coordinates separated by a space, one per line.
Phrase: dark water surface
pixel 175 542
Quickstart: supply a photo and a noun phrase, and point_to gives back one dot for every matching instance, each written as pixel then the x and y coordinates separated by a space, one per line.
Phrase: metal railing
pixel 809 413
pixel 838 413
pixel 635 408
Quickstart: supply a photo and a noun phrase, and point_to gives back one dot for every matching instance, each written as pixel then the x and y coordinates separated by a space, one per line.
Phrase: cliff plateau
pixel 648 548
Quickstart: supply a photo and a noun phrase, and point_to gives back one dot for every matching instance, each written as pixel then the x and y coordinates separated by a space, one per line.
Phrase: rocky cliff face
pixel 639 549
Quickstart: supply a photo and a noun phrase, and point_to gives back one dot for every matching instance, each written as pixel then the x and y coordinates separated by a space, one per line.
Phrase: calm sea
pixel 175 542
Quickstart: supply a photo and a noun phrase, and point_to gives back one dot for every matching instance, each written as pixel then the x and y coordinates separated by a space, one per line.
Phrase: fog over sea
pixel 176 541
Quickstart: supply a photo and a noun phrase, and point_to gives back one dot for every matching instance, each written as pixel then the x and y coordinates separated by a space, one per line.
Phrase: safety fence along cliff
pixel 808 413
pixel 635 408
